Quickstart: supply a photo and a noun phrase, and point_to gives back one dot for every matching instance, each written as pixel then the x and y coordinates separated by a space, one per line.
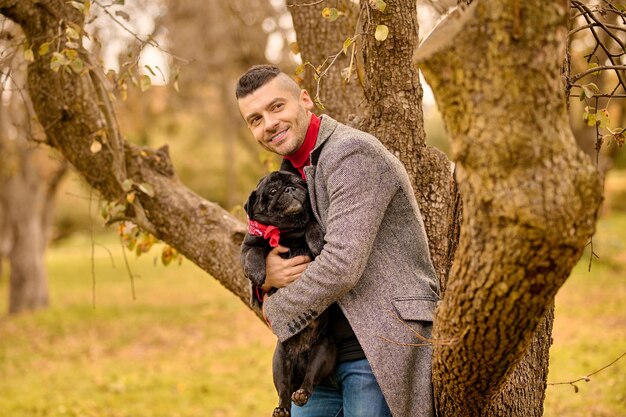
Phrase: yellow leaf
pixel 44 48
pixel 95 147
pixel 381 33
pixel 346 45
pixel 29 55
pixel 330 13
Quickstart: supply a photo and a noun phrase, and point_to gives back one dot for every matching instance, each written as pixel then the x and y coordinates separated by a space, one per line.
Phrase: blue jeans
pixel 351 392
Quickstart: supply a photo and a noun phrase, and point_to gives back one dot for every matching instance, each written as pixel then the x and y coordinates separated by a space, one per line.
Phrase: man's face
pixel 277 116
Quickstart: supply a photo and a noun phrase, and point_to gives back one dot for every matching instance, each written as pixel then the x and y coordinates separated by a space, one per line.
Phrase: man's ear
pixel 305 100
pixel 250 203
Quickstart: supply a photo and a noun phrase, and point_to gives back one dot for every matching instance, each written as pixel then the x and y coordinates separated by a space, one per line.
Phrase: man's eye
pixel 255 121
pixel 278 106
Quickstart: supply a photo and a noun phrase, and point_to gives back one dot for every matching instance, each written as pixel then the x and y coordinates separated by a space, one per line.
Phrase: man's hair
pixel 254 78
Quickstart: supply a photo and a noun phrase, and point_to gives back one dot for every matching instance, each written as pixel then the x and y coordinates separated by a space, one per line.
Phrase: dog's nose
pixel 290 189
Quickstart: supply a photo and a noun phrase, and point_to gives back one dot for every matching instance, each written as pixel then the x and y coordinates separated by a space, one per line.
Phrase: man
pixel 374 271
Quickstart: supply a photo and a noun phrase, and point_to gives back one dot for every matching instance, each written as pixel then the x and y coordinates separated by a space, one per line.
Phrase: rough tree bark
pixel 511 254
pixel 317 40
pixel 530 196
pixel 391 106
pixel 394 96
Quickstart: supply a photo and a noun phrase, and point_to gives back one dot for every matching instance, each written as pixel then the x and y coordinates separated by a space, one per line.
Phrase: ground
pixel 186 347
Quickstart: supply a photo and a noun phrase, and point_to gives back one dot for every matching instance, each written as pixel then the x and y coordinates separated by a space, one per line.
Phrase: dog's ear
pixel 250 203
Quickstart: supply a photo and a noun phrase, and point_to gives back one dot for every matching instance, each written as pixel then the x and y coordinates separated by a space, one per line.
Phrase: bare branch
pixel 596 69
pixel 587 377
pixel 306 4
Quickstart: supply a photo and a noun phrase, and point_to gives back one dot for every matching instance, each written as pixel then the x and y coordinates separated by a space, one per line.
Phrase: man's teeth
pixel 278 135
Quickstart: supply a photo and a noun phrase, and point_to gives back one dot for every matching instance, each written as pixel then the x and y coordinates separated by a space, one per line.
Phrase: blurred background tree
pixel 29 176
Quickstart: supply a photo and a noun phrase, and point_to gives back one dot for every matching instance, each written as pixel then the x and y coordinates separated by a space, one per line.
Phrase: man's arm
pixel 360 186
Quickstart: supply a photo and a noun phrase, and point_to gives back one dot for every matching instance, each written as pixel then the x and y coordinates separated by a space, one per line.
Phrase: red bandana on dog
pixel 272 233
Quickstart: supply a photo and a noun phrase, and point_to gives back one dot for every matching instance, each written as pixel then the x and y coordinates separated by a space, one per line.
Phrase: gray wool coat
pixel 375 264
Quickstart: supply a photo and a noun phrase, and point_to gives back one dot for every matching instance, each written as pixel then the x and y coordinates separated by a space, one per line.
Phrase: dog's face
pixel 280 199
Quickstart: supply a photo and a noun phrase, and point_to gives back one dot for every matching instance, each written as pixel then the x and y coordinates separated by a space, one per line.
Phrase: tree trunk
pixel 28 181
pixel 530 197
pixel 27 199
pixel 391 103
pixel 394 98
pixel 316 38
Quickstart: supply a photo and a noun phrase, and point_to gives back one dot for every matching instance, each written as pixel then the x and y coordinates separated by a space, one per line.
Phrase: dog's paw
pixel 300 397
pixel 281 412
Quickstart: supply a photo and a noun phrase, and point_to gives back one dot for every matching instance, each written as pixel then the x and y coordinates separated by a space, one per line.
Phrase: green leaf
pixel 77 65
pixel 590 90
pixel 146 82
pixel 87 7
pixel 44 48
pixel 381 33
pixel 593 65
pixel 146 189
pixel 380 5
pixel 330 13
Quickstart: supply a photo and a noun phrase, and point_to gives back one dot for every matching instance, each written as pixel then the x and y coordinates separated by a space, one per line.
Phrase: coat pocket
pixel 415 308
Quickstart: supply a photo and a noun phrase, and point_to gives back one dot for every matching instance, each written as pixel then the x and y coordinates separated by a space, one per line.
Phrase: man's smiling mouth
pixel 278 136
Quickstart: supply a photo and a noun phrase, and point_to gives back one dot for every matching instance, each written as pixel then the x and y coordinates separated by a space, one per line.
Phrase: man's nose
pixel 271 123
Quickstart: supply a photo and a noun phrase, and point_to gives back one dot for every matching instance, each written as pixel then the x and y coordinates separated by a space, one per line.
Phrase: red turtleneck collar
pixel 302 157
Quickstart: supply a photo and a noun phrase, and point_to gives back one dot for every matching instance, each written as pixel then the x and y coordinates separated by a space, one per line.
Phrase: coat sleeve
pixel 360 185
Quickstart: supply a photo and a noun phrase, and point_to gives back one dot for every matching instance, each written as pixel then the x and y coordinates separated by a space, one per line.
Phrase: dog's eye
pixel 273 192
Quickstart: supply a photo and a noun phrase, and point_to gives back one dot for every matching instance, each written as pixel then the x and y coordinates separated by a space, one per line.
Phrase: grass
pixel 186 347
pixel 590 331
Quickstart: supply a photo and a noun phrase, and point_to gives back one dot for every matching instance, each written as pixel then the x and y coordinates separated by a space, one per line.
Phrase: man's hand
pixel 281 272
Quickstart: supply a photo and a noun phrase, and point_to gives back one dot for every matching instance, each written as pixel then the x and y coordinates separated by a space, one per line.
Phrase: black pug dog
pixel 279 210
